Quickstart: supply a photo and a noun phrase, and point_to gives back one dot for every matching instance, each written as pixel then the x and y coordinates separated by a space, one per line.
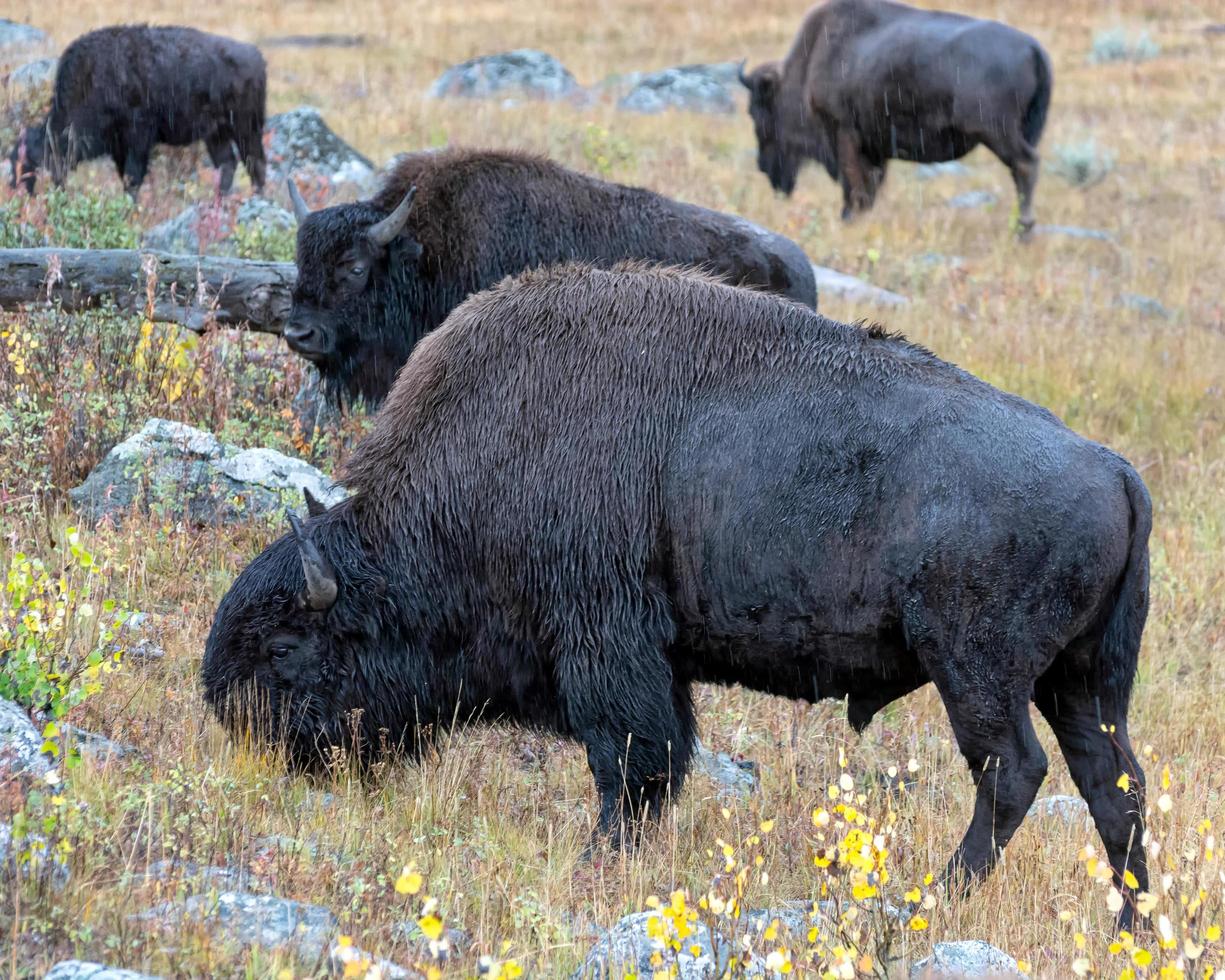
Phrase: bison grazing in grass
pixel 869 81
pixel 376 276
pixel 591 489
pixel 120 91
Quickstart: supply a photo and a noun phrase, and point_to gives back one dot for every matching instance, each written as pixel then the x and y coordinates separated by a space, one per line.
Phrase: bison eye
pixel 278 651
pixel 357 270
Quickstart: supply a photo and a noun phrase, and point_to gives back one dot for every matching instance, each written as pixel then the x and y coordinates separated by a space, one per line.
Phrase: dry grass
pixel 497 831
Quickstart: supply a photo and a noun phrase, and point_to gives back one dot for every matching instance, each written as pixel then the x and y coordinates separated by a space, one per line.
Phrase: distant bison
pixel 869 81
pixel 120 91
pixel 376 276
pixel 591 489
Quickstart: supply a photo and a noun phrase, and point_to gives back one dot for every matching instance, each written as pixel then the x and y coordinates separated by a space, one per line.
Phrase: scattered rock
pixel 314 41
pixel 627 949
pixel 97 747
pixel 966 961
pixel 949 168
pixel 251 920
pixel 20 744
pixel 198 877
pixel 283 844
pixel 82 970
pixel 352 961
pixel 182 232
pixel 1072 231
pixel 929 259
pixel 733 777
pixel 13 34
pixel 301 144
pixel 973 199
pixel 1069 809
pixel 187 474
pixel 830 282
pixel 26 81
pixel 523 72
pixel 1144 305
pixel 694 88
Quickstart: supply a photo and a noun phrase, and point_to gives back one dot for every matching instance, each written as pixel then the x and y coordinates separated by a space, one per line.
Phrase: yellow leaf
pixel 430 925
pixel 913 895
pixel 409 882
pixel 1129 880
pixel 1123 782
pixel 767 826
pixel 918 923
pixel 1114 900
pixel 1024 966
pixel 1164 803
pixel 1082 967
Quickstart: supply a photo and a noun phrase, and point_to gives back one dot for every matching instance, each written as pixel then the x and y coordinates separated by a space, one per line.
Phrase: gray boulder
pixel 82 970
pixel 15 35
pixel 28 80
pixel 524 72
pixel 968 960
pixel 245 919
pixel 1069 809
pixel 182 232
pixel 301 144
pixel 1073 231
pixel 1144 305
pixel 188 474
pixel 733 777
pixel 20 744
pixel 949 168
pixel 973 199
pixel 830 282
pixel 626 948
pixel 694 88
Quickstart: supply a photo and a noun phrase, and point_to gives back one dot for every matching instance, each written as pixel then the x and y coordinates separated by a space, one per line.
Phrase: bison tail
pixel 1035 113
pixel 1120 649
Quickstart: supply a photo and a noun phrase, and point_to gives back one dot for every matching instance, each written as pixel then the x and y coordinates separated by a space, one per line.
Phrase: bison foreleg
pixel 221 152
pixel 853 170
pixel 639 733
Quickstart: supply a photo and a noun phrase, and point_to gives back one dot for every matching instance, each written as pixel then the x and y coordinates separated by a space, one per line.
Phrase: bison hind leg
pixel 1097 759
pixel 220 147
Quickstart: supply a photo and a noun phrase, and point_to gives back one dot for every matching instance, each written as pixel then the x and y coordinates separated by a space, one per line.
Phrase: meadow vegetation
pixel 487 836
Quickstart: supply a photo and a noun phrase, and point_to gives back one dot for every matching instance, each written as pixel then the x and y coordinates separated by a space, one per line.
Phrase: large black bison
pixel 376 276
pixel 120 91
pixel 869 81
pixel 591 489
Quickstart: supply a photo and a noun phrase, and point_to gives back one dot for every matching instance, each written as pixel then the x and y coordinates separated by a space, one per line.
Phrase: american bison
pixel 119 91
pixel 593 488
pixel 376 276
pixel 869 81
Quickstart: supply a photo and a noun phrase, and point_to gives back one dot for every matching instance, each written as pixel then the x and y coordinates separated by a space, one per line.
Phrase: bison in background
pixel 376 276
pixel 869 81
pixel 120 91
pixel 591 489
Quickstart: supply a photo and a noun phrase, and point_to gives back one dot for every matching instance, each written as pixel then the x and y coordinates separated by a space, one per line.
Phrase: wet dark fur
pixel 120 91
pixel 482 215
pixel 868 81
pixel 591 489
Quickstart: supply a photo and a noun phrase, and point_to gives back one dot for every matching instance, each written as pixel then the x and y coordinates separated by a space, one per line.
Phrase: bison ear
pixel 314 506
pixel 383 232
pixel 321 588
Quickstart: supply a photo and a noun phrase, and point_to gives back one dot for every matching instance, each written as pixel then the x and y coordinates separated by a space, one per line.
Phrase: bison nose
pixel 304 339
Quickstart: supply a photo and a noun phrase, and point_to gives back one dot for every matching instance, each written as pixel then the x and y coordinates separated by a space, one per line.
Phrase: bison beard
pixel 574 506
pixel 479 216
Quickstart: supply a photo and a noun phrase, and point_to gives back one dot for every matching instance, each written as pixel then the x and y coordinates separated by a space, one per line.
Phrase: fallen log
pixel 190 290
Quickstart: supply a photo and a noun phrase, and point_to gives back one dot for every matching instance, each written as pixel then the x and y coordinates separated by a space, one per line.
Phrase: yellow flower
pixel 430 925
pixel 409 882
pixel 918 923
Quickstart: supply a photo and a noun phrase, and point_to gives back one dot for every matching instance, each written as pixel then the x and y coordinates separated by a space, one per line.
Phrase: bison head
pixel 775 156
pixel 352 263
pixel 28 156
pixel 299 655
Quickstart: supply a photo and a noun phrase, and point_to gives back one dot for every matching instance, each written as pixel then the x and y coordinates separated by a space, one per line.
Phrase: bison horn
pixel 300 210
pixel 321 587
pixel 384 231
pixel 314 506
pixel 744 79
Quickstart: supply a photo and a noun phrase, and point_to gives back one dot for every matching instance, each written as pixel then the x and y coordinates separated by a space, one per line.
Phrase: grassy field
pixel 496 825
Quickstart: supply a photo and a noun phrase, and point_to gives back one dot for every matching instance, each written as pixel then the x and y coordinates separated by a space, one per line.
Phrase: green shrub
pixel 90 219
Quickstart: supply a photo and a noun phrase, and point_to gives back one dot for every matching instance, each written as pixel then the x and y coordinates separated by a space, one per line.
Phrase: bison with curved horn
pixel 574 506
pixel 869 81
pixel 376 276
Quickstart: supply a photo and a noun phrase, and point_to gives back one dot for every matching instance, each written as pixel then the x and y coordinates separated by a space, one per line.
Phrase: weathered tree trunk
pixel 193 291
